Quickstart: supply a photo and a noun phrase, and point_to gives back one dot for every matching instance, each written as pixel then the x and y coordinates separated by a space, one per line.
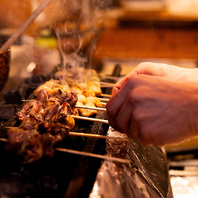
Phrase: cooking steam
pixel 77 36
pixel 70 43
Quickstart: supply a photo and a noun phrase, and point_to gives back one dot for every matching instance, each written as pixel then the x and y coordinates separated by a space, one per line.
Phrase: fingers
pixel 122 82
pixel 116 102
pixel 133 129
pixel 119 85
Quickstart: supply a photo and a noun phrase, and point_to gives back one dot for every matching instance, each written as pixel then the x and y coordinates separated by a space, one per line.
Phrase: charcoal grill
pixel 66 175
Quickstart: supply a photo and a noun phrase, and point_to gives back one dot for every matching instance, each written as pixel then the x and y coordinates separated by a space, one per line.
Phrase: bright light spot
pixel 30 67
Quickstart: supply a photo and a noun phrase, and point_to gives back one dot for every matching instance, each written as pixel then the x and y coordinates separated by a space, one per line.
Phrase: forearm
pixel 171 72
pixel 190 75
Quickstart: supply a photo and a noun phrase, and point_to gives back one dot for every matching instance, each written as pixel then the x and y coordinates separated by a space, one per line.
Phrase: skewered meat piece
pixel 94 86
pixel 16 136
pixel 90 102
pixel 63 116
pixel 52 133
pixel 93 100
pixel 69 97
pixel 32 143
pixel 82 98
pixel 86 112
pixel 54 129
pixel 31 147
pixel 25 142
pixel 53 87
pixel 50 109
pixel 48 142
pixel 28 124
pixel 74 91
pixel 31 109
pixel 42 96
pixel 48 86
pixel 47 119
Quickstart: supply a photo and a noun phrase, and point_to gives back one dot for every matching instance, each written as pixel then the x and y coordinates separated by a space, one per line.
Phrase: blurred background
pixel 100 34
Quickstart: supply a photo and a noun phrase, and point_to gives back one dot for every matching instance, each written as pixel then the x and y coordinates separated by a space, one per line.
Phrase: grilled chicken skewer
pixel 72 133
pixel 48 119
pixel 116 159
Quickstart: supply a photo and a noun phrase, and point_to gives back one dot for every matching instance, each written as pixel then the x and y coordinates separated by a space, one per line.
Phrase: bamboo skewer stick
pixel 25 25
pixel 3 139
pixel 105 157
pixel 106 95
pixel 104 99
pixel 90 119
pixel 100 136
pixel 91 108
pixel 125 161
pixel 106 84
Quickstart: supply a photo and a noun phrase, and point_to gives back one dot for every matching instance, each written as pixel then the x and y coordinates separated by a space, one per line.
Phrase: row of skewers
pixel 49 117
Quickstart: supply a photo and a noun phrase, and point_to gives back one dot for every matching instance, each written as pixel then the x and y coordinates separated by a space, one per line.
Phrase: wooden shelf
pixel 150 35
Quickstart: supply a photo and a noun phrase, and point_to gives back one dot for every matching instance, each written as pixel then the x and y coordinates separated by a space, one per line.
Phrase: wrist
pixel 192 76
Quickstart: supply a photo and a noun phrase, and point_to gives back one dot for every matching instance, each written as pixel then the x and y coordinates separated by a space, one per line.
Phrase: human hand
pixel 162 70
pixel 155 110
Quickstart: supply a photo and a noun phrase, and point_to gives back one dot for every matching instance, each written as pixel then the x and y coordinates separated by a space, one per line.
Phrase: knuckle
pixel 142 64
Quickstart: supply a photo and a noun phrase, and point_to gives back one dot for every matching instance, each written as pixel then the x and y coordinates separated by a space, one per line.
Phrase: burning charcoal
pixel 34 81
pixel 15 96
pixel 7 111
pixel 4 124
pixel 13 186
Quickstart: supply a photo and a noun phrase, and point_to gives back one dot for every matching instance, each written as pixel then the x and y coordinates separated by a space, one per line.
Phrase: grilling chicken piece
pixel 86 112
pixel 84 93
pixel 33 140
pixel 90 102
pixel 47 119
pixel 25 142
